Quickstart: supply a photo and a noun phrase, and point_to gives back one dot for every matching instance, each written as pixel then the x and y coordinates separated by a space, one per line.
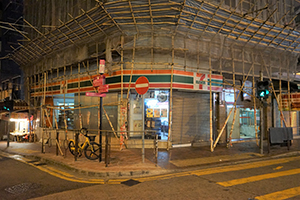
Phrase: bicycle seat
pixel 84 131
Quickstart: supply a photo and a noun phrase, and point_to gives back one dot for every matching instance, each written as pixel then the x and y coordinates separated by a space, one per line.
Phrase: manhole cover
pixel 21 188
pixel 130 182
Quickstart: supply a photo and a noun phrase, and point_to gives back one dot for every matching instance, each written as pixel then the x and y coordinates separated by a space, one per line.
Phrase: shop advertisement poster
pixel 137 106
pixel 137 125
pixel 149 112
pixel 156 112
pixel 164 113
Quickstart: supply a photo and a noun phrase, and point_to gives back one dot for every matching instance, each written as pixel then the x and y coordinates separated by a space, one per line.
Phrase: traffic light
pixel 263 89
pixel 8 105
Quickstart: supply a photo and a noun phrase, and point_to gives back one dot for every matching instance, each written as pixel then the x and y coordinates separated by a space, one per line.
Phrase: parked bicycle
pixel 90 148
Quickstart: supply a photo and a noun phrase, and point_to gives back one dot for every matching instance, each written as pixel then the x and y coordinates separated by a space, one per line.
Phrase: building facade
pixel 202 60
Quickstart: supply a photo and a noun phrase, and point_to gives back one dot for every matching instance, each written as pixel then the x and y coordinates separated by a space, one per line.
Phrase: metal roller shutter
pixel 190 117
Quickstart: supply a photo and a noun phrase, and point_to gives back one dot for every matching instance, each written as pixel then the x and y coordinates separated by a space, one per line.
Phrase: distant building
pixel 11 23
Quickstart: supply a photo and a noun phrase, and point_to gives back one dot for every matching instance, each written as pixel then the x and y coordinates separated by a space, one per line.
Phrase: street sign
pixel 102 88
pixel 99 81
pixel 142 85
pixel 101 66
pixel 92 94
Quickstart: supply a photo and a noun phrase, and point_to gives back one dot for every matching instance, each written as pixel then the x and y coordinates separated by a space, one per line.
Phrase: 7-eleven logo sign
pixel 199 81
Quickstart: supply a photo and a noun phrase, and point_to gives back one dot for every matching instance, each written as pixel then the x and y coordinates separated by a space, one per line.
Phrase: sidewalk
pixel 128 162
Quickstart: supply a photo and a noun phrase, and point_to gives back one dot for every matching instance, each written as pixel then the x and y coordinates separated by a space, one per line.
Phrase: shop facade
pixel 192 59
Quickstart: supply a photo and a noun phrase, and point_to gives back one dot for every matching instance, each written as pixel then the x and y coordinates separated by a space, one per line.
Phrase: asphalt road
pixel 267 179
pixel 22 181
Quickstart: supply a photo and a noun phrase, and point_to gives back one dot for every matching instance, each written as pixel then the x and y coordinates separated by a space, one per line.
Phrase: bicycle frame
pixel 81 147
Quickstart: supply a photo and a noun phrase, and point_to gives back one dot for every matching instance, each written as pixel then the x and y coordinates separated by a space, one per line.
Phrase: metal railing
pixel 108 134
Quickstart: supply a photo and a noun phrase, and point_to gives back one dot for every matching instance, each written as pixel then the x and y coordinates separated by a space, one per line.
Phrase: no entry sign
pixel 142 85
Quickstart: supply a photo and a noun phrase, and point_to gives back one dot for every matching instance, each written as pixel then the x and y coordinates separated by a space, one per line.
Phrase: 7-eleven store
pixel 181 102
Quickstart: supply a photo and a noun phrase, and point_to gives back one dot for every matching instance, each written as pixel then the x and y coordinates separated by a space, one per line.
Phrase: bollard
pixel 76 145
pixel 57 136
pixel 106 149
pixel 43 144
pixel 156 148
pixel 143 147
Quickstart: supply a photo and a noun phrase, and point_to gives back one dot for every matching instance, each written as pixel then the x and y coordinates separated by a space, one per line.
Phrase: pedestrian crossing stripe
pixel 259 178
pixel 280 195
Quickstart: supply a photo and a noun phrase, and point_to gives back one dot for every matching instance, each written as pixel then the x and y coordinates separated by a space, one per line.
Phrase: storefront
pixel 190 112
pixel 247 119
pixel 156 112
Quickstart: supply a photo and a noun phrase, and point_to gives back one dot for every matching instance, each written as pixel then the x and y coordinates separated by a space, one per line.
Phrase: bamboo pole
pixel 235 99
pixel 254 101
pixel 210 107
pixel 78 85
pixel 171 98
pixel 122 67
pixel 65 121
pixel 281 113
pixel 132 65
pixel 280 97
pixel 289 92
pixel 221 131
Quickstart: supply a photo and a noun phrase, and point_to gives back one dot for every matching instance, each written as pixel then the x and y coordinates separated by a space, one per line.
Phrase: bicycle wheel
pixel 92 151
pixel 71 147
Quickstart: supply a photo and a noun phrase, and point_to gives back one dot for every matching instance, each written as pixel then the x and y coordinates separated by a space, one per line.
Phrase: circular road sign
pixel 142 85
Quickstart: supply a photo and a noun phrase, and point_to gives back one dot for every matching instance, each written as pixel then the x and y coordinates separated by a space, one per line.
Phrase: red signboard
pixel 92 94
pixel 102 88
pixel 99 84
pixel 142 85
pixel 101 66
pixel 99 81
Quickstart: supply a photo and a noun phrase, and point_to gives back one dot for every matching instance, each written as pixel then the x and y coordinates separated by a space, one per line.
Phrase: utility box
pixel 280 135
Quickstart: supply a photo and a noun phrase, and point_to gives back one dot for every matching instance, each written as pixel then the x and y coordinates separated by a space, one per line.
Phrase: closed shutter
pixel 190 117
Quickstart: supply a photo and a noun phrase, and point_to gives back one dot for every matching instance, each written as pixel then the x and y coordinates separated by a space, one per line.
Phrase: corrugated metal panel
pixel 190 117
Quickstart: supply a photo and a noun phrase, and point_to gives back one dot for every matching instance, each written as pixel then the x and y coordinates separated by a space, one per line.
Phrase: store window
pixel 156 113
pixel 64 102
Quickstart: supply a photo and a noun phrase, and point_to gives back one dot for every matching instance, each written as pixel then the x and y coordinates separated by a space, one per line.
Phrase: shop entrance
pixel 244 126
pixel 156 113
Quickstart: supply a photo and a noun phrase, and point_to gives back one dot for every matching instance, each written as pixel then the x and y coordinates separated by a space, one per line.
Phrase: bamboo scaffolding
pixel 94 22
pixel 237 23
pixel 132 65
pixel 112 19
pixel 122 68
pixel 210 107
pixel 221 131
pixel 171 98
pixel 282 116
pixel 79 111
pixel 280 97
pixel 229 144
pixel 254 102
pixel 289 94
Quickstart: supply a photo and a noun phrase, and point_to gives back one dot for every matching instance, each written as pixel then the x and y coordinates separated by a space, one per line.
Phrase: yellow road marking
pixel 59 172
pixel 280 195
pixel 173 175
pixel 220 169
pixel 68 178
pixel 213 159
pixel 277 168
pixel 258 178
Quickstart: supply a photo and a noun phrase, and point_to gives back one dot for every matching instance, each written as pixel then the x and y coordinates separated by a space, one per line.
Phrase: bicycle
pixel 90 148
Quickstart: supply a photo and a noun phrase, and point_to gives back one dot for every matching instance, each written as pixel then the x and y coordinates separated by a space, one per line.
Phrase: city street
pixel 266 179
